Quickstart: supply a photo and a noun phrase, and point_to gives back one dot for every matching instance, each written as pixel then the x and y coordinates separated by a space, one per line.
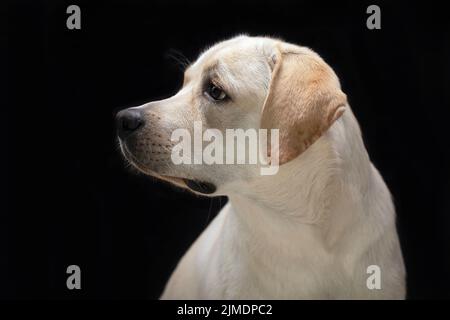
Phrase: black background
pixel 68 198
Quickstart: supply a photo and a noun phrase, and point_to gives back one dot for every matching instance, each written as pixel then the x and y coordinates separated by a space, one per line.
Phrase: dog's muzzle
pixel 128 122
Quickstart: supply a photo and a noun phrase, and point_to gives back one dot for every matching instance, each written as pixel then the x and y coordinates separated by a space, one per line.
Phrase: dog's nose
pixel 128 121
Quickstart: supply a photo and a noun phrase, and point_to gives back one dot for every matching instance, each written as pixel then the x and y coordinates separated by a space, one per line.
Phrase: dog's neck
pixel 314 195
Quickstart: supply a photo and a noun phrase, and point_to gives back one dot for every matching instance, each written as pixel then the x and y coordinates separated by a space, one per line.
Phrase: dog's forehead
pixel 230 52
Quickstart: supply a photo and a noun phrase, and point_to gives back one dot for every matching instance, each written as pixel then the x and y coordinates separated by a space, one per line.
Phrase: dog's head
pixel 243 83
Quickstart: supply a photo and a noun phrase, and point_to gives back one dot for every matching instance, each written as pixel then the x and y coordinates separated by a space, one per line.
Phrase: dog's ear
pixel 303 101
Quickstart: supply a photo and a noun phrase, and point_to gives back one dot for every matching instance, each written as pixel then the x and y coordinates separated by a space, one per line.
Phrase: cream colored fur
pixel 308 232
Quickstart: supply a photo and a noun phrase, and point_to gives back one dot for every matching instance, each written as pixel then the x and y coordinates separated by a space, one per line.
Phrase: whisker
pixel 179 58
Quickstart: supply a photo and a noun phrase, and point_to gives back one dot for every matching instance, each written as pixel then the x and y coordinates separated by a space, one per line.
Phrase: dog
pixel 314 230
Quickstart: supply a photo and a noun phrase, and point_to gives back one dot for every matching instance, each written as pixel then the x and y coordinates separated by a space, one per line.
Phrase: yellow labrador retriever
pixel 322 227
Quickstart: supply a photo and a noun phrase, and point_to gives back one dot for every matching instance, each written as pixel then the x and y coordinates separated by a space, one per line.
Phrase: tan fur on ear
pixel 304 100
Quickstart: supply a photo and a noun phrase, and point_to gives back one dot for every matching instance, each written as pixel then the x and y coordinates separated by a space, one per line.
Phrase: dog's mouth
pixel 200 186
pixel 195 185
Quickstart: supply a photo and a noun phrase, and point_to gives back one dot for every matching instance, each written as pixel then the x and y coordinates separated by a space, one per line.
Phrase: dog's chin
pixel 201 187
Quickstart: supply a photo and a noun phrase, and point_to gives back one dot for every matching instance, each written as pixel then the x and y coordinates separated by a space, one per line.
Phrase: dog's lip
pixel 200 186
pixel 175 180
pixel 193 184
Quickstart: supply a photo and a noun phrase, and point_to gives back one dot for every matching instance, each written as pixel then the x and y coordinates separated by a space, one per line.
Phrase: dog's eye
pixel 215 92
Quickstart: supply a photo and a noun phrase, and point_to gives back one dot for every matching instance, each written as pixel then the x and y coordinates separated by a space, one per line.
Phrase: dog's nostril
pixel 128 121
pixel 131 123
